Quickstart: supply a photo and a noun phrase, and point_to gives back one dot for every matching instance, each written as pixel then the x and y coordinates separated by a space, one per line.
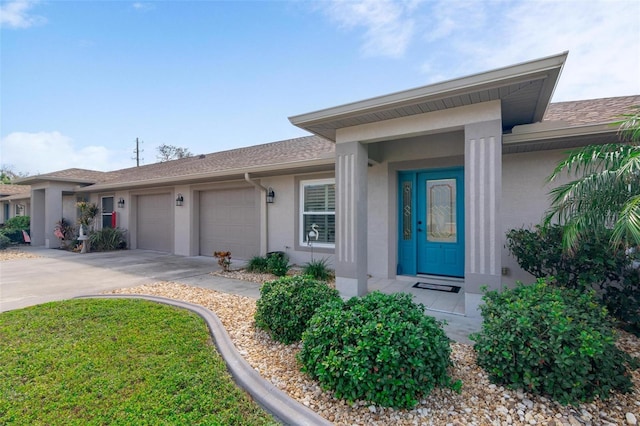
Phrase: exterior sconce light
pixel 270 195
pixel 179 200
pixel 121 203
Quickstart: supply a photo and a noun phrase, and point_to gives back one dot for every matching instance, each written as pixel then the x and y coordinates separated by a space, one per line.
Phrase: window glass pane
pixel 107 204
pixel 406 211
pixel 107 209
pixel 325 225
pixel 318 212
pixel 441 210
pixel 319 198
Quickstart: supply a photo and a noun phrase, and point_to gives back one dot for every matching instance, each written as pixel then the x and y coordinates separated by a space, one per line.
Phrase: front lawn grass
pixel 117 362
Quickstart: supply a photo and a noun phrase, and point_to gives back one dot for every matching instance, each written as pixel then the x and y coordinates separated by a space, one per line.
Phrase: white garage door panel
pixel 155 224
pixel 228 221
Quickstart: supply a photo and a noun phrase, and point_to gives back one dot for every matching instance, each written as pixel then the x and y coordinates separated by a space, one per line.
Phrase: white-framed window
pixel 318 212
pixel 107 211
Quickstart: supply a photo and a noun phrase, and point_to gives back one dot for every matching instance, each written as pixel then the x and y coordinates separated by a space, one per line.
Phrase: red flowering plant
pixel 224 259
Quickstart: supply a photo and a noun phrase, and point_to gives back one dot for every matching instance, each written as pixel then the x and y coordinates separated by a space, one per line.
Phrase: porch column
pixel 483 191
pixel 351 219
pixel 37 218
pixel 52 215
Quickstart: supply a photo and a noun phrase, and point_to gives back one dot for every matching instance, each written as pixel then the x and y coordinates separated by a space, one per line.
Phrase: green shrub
pixel 14 235
pixel 4 242
pixel 18 222
pixel 257 264
pixel 622 300
pixel 593 266
pixel 107 239
pixel 552 341
pixel 286 305
pixel 318 269
pixel 380 348
pixel 278 264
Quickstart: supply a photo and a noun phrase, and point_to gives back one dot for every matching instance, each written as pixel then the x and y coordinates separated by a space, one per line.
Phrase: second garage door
pixel 229 222
pixel 155 223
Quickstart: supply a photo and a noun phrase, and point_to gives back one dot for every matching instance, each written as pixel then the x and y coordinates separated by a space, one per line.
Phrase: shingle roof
pixel 276 154
pixel 270 154
pixel 8 189
pixel 591 111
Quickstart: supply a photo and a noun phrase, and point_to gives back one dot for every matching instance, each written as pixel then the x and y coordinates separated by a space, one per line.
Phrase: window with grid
pixel 318 212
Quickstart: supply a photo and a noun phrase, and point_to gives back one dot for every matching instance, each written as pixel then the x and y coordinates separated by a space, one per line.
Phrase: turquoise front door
pixel 432 223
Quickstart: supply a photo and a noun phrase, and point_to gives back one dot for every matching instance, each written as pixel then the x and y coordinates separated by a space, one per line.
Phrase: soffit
pixel 524 91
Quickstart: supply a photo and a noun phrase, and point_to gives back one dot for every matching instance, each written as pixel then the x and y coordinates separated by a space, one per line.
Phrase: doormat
pixel 438 287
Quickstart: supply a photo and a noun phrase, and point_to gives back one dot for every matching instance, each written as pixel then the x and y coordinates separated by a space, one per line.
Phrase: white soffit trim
pixel 532 70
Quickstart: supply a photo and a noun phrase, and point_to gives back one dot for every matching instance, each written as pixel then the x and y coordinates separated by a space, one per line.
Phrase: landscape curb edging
pixel 284 408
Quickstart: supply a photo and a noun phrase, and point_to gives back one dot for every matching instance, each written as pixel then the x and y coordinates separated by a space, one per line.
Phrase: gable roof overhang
pixel 39 179
pixel 17 197
pixel 524 90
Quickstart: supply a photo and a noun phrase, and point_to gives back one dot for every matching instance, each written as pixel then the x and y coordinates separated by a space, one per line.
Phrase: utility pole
pixel 137 152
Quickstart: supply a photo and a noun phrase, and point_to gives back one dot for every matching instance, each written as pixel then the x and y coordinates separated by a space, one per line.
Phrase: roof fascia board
pixel 566 132
pixel 532 70
pixel 325 160
pixel 33 180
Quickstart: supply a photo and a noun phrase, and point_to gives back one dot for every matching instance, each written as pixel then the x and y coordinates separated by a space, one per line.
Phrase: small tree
pixel 8 174
pixel 606 190
pixel 88 212
pixel 171 152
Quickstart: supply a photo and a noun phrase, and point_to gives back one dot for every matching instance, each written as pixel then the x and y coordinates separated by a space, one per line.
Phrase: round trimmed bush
pixel 286 305
pixel 4 241
pixel 381 348
pixel 551 341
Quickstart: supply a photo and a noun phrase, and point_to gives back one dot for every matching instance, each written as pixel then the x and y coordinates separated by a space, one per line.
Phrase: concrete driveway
pixel 59 274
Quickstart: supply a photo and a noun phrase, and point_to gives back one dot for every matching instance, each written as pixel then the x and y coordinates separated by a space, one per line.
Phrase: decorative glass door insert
pixel 441 211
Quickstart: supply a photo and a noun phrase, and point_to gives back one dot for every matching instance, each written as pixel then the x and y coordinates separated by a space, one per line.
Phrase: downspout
pixel 264 224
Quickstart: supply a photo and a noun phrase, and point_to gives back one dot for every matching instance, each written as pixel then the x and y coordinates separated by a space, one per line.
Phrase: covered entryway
pixel 229 221
pixel 431 235
pixel 155 222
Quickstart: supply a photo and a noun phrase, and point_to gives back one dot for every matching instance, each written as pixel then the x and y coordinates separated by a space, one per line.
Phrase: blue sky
pixel 80 80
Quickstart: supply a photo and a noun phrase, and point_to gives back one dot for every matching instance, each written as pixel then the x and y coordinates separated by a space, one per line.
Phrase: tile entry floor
pixel 433 300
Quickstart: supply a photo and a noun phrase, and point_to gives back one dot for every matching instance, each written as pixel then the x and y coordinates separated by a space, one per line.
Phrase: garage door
pixel 155 223
pixel 229 221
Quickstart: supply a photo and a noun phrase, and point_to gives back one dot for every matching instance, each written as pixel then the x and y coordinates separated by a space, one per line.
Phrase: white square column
pixel 483 192
pixel 351 219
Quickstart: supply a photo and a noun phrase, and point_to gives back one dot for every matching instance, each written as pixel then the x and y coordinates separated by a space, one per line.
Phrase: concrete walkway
pixel 59 275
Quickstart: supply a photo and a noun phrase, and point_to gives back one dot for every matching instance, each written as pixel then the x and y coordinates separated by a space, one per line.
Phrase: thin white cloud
pixel 16 14
pixel 599 35
pixel 45 152
pixel 143 6
pixel 388 25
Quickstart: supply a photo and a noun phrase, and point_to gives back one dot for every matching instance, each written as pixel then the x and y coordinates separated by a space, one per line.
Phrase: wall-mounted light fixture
pixel 179 200
pixel 121 203
pixel 270 195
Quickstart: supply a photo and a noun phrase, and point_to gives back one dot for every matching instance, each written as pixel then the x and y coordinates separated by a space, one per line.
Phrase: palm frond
pixel 627 227
pixel 629 127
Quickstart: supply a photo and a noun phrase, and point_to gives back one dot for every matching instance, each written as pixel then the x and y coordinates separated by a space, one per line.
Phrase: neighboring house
pixel 15 200
pixel 421 182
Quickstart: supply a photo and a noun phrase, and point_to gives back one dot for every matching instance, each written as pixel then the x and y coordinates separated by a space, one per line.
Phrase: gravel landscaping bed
pixel 479 403
pixel 13 254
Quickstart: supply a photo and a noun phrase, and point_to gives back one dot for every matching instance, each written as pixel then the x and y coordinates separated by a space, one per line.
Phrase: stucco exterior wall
pixel 283 219
pixel 525 199
pixel 69 210
pixel 434 151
